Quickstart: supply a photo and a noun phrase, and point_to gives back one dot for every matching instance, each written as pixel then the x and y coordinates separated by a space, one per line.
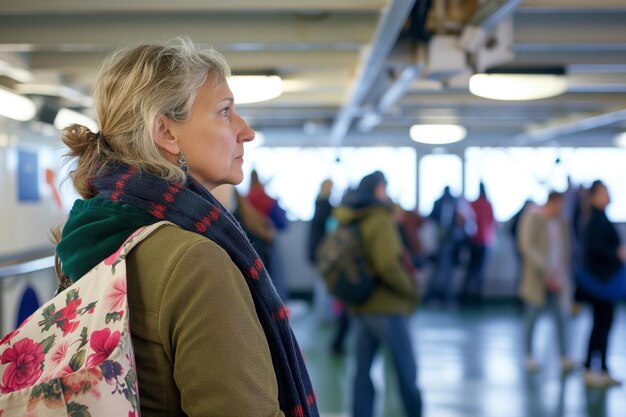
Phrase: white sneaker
pixel 531 364
pixel 600 380
pixel 568 365
pixel 609 380
pixel 594 379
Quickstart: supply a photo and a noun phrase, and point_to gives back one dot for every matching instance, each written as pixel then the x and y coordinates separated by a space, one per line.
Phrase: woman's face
pixel 212 138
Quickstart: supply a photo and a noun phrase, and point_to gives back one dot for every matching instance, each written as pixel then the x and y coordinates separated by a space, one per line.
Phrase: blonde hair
pixel 134 88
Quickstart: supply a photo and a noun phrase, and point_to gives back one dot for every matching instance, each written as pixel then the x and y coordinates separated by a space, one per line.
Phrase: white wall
pixel 25 225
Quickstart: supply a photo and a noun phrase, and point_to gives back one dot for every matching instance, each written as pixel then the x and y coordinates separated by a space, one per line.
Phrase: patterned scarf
pixel 193 208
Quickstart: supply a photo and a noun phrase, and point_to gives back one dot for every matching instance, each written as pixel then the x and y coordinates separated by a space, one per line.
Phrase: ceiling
pixel 355 72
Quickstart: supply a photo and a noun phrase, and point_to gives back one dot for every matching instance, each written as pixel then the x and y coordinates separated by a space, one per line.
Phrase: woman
pixel 211 336
pixel 603 257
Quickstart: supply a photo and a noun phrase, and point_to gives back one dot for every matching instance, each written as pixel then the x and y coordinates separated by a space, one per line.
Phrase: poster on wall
pixel 27 176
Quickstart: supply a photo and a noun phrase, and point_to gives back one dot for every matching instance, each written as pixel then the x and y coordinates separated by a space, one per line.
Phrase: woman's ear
pixel 164 136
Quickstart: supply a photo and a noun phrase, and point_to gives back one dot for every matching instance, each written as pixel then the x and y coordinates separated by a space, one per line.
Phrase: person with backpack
pixel 383 317
pixel 210 334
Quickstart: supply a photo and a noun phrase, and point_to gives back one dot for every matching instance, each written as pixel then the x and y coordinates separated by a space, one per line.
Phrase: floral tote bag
pixel 73 356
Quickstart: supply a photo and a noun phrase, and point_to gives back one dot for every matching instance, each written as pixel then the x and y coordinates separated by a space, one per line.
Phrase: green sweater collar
pixel 95 229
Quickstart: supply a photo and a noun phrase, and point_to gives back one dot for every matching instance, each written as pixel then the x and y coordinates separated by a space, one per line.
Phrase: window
pixel 436 172
pixel 293 175
pixel 512 175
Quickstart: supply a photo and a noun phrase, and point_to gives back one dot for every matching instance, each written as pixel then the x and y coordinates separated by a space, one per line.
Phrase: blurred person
pixel 383 319
pixel 318 225
pixel 409 224
pixel 210 334
pixel 264 203
pixel 451 215
pixel 479 243
pixel 318 228
pixel 270 208
pixel 580 217
pixel 259 229
pixel 544 243
pixel 513 228
pixel 603 257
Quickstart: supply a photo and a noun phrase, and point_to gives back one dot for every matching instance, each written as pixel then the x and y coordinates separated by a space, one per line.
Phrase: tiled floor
pixel 471 365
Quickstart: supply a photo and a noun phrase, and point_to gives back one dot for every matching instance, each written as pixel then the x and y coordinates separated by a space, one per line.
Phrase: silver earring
pixel 182 162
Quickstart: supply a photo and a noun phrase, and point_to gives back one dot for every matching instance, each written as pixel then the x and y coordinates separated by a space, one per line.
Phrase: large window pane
pixel 512 175
pixel 436 172
pixel 294 175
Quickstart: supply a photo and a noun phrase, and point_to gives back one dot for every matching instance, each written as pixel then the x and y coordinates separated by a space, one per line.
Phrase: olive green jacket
pixel 199 346
pixel 397 292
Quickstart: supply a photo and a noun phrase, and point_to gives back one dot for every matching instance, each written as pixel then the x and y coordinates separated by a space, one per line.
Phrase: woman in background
pixel 603 257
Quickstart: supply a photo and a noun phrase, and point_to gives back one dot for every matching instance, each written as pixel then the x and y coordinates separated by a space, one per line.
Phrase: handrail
pixel 21 268
pixel 27 267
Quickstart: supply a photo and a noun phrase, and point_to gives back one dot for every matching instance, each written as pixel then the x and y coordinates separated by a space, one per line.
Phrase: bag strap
pixel 139 235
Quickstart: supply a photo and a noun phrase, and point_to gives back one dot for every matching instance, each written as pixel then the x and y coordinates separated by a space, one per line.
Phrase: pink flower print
pixel 69 312
pixel 116 295
pixel 25 361
pixel 103 343
pixel 9 336
pixel 69 326
pixel 59 354
pixel 82 382
pixel 111 259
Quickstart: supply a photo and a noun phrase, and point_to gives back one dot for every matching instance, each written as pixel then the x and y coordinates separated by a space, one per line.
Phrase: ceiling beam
pixel 543 6
pixel 95 32
pixel 570 101
pixel 569 29
pixel 374 58
pixel 283 61
pixel 73 7
pixel 570 125
pixel 569 57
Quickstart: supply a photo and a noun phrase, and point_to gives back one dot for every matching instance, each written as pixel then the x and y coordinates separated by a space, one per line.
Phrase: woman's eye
pixel 225 111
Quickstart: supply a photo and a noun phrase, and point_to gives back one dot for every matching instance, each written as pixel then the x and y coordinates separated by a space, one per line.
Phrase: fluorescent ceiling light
pixel 517 86
pixel 620 140
pixel 66 117
pixel 437 134
pixel 15 106
pixel 255 88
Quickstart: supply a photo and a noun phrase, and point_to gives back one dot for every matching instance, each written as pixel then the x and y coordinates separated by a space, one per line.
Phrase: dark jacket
pixel 317 230
pixel 601 243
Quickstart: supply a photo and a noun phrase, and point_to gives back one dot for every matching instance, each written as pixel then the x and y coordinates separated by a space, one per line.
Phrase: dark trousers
pixel 339 339
pixel 473 284
pixel 603 312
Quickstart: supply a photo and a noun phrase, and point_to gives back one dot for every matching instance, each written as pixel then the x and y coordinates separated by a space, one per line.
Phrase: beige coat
pixel 534 244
